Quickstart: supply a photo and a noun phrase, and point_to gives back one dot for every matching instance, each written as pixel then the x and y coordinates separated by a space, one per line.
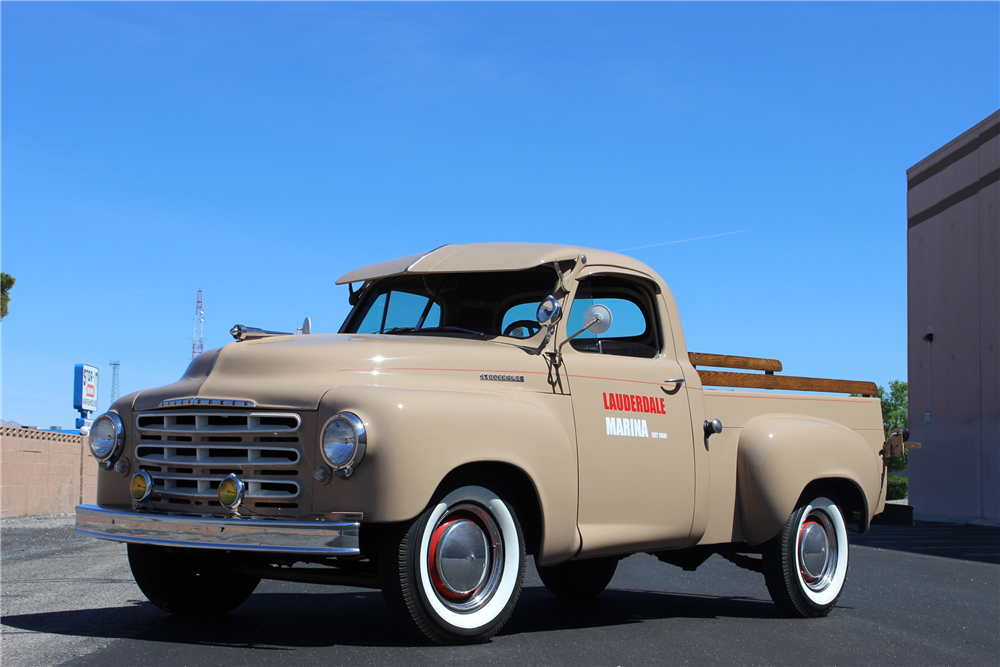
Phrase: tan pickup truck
pixel 482 403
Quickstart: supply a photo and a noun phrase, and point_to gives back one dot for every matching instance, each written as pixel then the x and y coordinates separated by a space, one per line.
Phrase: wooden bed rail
pixel 728 361
pixel 768 380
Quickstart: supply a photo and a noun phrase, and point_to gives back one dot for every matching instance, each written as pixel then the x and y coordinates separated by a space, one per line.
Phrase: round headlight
pixel 107 437
pixel 344 443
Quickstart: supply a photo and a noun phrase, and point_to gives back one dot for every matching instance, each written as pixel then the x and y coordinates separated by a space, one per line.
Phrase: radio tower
pixel 114 380
pixel 198 341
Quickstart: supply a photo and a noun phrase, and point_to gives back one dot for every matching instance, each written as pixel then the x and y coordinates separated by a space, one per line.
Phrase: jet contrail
pixel 698 238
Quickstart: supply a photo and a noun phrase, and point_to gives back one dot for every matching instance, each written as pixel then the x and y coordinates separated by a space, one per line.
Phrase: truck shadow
pixel 289 621
pixel 964 542
pixel 540 611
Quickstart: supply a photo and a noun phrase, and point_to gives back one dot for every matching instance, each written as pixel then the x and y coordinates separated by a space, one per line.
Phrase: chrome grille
pixel 207 488
pixel 189 453
pixel 219 422
pixel 226 455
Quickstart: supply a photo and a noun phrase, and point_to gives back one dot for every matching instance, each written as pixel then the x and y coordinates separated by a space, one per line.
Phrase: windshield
pixel 486 304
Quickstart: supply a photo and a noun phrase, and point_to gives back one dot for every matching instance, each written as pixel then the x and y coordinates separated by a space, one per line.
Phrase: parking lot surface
pixel 916 595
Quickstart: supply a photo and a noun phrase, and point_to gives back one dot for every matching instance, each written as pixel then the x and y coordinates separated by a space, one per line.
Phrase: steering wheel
pixel 532 327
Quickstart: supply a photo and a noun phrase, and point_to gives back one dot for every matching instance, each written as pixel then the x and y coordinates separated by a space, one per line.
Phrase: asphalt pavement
pixel 916 595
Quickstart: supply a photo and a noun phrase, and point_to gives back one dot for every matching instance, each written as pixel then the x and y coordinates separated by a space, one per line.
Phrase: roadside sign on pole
pixel 85 388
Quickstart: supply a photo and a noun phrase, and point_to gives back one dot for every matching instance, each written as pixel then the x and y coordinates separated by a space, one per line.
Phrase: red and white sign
pixel 87 388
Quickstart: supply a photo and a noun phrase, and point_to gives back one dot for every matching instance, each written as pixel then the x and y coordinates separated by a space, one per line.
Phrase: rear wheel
pixel 579 578
pixel 454 574
pixel 805 565
pixel 189 582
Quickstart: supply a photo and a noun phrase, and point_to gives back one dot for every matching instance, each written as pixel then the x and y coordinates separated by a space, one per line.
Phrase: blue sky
pixel 259 151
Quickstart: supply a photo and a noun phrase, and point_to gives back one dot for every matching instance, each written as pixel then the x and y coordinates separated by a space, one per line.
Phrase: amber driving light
pixel 231 491
pixel 141 486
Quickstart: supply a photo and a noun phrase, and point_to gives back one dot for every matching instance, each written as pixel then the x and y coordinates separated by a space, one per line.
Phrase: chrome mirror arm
pixel 592 323
pixel 600 320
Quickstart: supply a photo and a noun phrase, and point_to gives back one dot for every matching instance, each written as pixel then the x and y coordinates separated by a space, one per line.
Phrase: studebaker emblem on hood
pixel 501 378
pixel 207 401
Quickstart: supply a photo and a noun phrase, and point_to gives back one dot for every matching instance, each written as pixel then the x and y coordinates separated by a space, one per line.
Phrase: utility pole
pixel 114 380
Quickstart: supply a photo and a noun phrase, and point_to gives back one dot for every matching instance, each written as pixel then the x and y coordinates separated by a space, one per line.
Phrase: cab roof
pixel 490 257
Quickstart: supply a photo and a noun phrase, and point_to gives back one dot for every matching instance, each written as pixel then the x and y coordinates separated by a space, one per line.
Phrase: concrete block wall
pixel 44 473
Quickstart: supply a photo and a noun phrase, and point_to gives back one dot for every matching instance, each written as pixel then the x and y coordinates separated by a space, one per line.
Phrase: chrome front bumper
pixel 335 538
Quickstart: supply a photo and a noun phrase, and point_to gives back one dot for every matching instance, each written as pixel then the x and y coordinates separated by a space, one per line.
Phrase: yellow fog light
pixel 231 491
pixel 141 486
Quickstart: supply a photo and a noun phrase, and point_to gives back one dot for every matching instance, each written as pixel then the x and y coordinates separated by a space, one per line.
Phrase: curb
pixel 894 515
pixel 960 520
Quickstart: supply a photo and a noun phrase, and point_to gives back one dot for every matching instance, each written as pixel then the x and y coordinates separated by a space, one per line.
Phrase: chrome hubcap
pixel 817 551
pixel 461 556
pixel 813 549
pixel 465 558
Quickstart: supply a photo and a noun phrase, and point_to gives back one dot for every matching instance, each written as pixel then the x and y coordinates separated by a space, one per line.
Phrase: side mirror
pixel 598 320
pixel 549 312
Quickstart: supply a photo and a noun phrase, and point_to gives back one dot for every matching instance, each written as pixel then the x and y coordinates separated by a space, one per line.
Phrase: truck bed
pixel 736 407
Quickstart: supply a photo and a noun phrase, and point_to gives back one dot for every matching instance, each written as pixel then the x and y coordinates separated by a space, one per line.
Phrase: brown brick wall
pixel 44 473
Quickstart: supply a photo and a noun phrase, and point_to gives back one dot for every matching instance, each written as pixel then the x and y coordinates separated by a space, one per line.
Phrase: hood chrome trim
pixel 207 401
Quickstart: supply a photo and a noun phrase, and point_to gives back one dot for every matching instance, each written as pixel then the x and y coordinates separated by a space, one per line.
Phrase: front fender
pixel 779 455
pixel 416 437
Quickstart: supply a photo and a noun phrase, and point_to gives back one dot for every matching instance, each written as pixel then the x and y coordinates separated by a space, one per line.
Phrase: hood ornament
pixel 240 332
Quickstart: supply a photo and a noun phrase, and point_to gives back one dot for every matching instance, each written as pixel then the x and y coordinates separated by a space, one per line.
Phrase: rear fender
pixel 780 455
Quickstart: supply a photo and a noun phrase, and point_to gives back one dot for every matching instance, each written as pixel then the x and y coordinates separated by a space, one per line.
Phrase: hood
pixel 294 372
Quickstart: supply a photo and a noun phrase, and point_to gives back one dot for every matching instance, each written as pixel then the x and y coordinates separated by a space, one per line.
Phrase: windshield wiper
pixel 406 330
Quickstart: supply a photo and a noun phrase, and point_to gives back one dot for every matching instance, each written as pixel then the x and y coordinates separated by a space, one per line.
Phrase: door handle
pixel 676 381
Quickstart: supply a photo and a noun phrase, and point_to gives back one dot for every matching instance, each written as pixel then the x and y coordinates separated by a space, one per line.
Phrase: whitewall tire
pixel 805 565
pixel 454 574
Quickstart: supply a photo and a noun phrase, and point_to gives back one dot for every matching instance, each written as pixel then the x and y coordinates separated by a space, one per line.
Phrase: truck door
pixel 633 425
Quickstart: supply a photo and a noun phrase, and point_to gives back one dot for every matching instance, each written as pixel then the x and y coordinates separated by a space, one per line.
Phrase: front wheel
pixel 454 574
pixel 805 565
pixel 189 582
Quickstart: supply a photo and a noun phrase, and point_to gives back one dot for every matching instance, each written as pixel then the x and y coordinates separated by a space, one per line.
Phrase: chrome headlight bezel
pixel 344 464
pixel 115 450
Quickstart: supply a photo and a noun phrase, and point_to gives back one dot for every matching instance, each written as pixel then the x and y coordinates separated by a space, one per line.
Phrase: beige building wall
pixel 953 287
pixel 44 473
